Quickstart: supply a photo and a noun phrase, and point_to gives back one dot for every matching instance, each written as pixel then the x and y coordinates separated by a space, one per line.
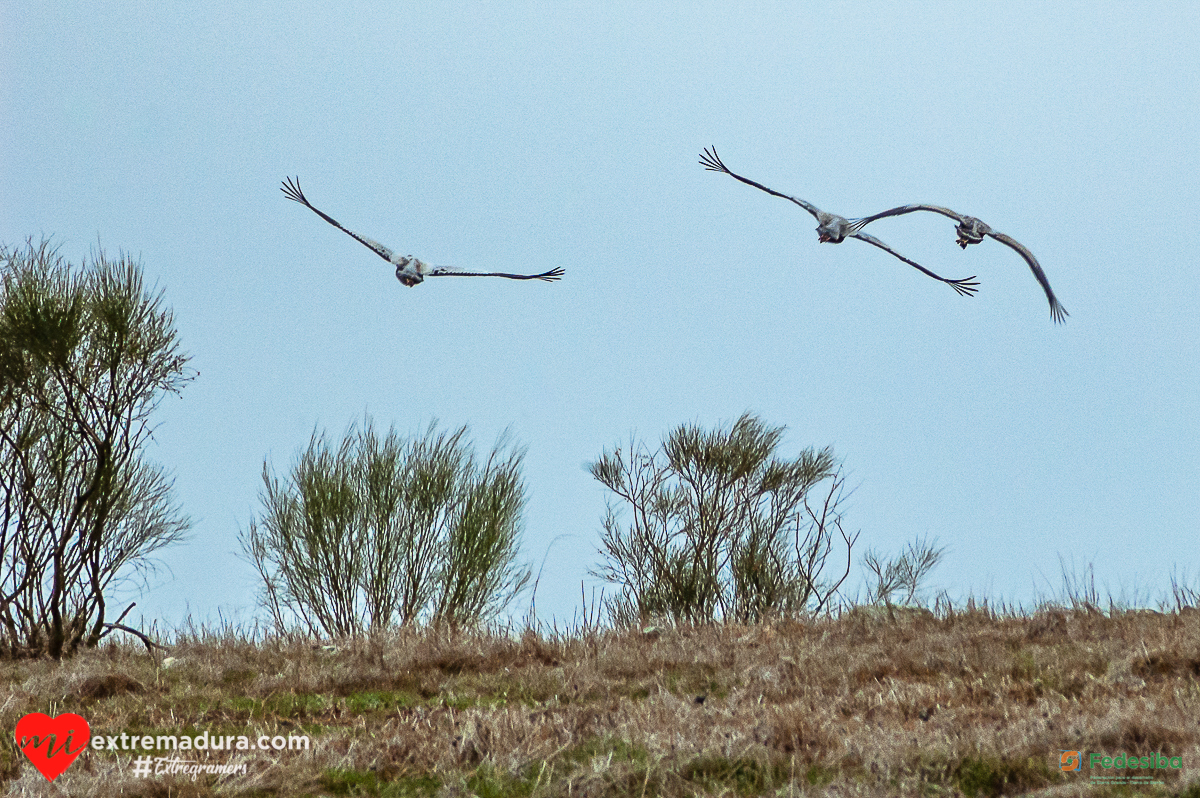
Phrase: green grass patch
pixel 238 677
pixel 818 775
pixel 500 689
pixel 991 776
pixel 381 701
pixel 608 765
pixel 339 781
pixel 612 748
pixel 490 782
pixel 280 705
pixel 744 775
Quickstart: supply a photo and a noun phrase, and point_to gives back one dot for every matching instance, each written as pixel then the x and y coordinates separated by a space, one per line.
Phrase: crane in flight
pixel 971 231
pixel 834 229
pixel 409 270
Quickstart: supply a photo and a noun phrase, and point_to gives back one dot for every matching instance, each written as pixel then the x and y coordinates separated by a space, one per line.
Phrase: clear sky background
pixel 521 137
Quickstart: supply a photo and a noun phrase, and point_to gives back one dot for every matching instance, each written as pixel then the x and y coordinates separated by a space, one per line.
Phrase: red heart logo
pixel 38 735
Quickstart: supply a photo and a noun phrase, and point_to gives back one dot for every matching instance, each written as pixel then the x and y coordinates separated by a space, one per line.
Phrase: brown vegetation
pixel 872 703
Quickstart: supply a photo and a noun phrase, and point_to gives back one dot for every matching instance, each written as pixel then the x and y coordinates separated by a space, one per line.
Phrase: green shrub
pixel 378 531
pixel 720 527
pixel 86 354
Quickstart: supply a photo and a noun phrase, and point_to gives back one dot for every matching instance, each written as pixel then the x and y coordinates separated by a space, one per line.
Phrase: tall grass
pixel 978 701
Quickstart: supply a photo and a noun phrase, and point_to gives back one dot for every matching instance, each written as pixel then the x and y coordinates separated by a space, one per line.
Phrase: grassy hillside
pixel 872 703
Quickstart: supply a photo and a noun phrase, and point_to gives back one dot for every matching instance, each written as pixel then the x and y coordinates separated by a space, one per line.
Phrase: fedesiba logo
pixel 1122 761
pixel 1073 761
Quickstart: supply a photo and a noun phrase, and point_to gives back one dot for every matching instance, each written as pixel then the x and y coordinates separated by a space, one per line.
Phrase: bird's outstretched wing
pixel 859 224
pixel 967 286
pixel 1057 311
pixel 712 162
pixel 446 271
pixel 292 191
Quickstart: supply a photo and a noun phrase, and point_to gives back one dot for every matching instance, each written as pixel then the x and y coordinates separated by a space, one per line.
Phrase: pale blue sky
pixel 523 137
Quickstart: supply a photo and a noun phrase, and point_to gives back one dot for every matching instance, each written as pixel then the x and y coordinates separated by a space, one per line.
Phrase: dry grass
pixel 870 705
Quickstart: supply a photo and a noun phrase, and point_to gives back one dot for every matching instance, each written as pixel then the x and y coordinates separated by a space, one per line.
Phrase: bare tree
pixel 377 531
pixel 86 354
pixel 720 527
pixel 900 580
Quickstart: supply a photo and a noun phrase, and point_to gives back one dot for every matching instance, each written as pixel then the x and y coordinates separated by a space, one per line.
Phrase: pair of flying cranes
pixel 831 228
